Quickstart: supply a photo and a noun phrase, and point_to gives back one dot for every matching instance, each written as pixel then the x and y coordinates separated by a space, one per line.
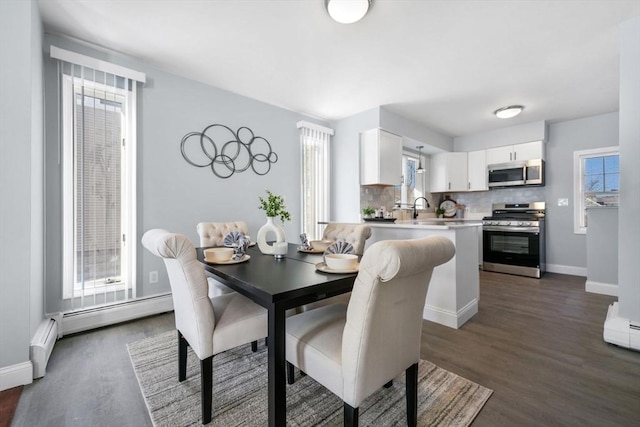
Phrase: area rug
pixel 240 392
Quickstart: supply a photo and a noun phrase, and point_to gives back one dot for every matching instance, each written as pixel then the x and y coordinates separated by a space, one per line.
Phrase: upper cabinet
pixel 477 170
pixel 449 172
pixel 511 153
pixel 380 158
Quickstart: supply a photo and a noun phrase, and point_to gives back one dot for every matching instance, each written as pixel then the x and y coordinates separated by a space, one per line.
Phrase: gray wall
pixel 171 193
pixel 21 286
pixel 629 212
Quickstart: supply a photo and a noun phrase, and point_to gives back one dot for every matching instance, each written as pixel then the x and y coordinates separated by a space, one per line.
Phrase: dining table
pixel 279 284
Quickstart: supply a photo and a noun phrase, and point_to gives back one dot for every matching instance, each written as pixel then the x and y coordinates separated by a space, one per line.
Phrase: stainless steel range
pixel 513 239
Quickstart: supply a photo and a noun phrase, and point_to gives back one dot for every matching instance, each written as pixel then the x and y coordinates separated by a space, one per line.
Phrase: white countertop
pixel 429 224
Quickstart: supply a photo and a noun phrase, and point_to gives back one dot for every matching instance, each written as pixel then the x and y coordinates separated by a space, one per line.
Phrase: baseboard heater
pixel 620 331
pixel 42 346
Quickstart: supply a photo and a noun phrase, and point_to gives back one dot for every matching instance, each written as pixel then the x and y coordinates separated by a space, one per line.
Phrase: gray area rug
pixel 240 392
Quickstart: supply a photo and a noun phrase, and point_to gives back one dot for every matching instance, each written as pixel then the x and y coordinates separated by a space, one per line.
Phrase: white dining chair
pixel 357 235
pixel 213 234
pixel 355 349
pixel 208 325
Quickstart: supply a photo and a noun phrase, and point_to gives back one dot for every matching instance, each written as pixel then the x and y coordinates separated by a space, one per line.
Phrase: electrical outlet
pixel 563 202
pixel 153 277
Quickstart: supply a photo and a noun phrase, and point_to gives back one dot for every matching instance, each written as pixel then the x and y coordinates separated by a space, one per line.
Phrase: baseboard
pixel 620 331
pixel 109 315
pixel 567 269
pixel 601 288
pixel 15 375
pixel 450 318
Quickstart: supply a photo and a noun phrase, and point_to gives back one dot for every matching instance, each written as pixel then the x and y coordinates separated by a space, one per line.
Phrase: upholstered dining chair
pixel 357 235
pixel 208 325
pixel 355 349
pixel 213 234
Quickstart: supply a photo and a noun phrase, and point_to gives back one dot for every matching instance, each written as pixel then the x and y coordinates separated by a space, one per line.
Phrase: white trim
pixel 109 315
pixel 601 288
pixel 313 126
pixel 96 64
pixel 450 318
pixel 567 269
pixel 16 375
pixel 578 185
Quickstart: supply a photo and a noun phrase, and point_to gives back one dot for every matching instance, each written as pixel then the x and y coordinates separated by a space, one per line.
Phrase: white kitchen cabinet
pixel 380 158
pixel 477 170
pixel 527 151
pixel 449 172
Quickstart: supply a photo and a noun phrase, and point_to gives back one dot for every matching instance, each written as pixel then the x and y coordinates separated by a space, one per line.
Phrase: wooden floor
pixel 537 343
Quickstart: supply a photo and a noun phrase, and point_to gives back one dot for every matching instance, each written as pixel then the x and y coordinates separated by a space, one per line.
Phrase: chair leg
pixel 254 346
pixel 389 384
pixel 182 357
pixel 266 342
pixel 350 416
pixel 206 388
pixel 411 376
pixel 290 374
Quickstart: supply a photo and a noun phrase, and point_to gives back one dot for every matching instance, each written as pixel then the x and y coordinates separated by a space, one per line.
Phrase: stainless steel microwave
pixel 521 173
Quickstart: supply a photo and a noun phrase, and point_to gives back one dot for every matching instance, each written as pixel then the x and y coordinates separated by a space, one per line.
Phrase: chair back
pixel 213 233
pixel 356 234
pixel 384 317
pixel 193 309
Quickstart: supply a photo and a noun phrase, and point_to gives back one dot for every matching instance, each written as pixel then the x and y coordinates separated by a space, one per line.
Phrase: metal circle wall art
pixel 227 152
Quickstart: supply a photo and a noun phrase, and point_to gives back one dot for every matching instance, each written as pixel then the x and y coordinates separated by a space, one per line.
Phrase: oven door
pixel 511 246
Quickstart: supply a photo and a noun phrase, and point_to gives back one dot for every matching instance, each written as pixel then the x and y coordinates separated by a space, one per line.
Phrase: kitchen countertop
pixel 428 223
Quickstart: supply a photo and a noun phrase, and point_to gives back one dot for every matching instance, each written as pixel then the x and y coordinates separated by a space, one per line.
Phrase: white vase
pixel 269 227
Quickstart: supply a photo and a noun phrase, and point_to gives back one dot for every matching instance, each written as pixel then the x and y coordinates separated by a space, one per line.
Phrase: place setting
pixel 339 258
pixel 234 250
pixel 314 246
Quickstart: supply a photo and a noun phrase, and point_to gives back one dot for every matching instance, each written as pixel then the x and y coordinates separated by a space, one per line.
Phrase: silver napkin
pixel 232 238
pixel 339 247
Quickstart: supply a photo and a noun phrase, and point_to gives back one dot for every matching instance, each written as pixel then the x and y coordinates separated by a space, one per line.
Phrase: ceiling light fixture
pixel 508 112
pixel 347 11
pixel 420 168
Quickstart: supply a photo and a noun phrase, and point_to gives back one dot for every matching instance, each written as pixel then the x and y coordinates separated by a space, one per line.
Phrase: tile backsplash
pixel 476 203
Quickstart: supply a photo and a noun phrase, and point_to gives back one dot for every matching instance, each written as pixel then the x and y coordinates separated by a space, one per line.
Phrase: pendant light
pixel 420 168
pixel 347 11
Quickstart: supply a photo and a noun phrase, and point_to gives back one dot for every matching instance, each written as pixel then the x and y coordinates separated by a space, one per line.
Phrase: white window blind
pixel 98 169
pixel 315 144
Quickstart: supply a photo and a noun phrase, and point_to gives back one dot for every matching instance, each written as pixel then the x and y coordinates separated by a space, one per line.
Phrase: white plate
pixel 308 251
pixel 231 261
pixel 449 207
pixel 321 266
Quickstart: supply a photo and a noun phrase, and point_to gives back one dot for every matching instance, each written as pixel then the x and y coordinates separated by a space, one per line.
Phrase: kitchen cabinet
pixel 477 170
pixel 510 153
pixel 380 158
pixel 449 172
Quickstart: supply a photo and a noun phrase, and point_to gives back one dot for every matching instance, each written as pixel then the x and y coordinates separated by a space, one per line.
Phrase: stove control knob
pixel 507 223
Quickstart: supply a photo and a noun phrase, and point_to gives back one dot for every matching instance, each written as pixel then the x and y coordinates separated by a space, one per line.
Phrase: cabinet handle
pixel 449 186
pixel 468 186
pixel 515 155
pixel 510 156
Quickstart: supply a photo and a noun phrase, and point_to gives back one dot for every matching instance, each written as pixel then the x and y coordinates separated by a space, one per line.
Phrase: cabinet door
pixel 529 151
pixel 477 170
pixel 390 158
pixel 380 158
pixel 448 172
pixel 457 171
pixel 499 155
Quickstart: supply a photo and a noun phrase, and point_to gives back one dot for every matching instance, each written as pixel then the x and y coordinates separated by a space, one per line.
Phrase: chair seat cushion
pixel 238 321
pixel 314 344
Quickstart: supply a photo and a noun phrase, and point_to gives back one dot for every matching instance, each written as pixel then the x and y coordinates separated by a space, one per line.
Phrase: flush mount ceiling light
pixel 420 168
pixel 347 11
pixel 508 112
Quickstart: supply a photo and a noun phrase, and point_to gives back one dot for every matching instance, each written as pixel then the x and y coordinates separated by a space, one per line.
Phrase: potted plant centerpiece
pixel 273 206
pixel 368 212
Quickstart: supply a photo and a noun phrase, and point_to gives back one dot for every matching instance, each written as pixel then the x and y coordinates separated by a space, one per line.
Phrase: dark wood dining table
pixel 278 285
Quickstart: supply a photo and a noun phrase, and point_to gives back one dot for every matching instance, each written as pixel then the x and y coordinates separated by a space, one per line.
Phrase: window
pixel 98 178
pixel 596 182
pixel 413 184
pixel 315 158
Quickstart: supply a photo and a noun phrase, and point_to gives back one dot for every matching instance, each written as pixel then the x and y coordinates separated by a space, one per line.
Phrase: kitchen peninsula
pixel 454 291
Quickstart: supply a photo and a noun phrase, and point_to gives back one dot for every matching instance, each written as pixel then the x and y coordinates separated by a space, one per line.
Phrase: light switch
pixel 563 202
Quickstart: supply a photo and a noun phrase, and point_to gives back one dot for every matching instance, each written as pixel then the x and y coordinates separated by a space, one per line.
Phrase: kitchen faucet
pixel 415 211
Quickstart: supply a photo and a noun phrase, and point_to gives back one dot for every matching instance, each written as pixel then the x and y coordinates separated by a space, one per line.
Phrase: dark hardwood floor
pixel 537 343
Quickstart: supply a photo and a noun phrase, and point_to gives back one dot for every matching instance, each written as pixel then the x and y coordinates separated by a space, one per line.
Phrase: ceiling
pixel 444 64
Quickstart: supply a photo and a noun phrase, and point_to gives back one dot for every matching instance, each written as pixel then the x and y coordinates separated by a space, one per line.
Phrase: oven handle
pixel 530 230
